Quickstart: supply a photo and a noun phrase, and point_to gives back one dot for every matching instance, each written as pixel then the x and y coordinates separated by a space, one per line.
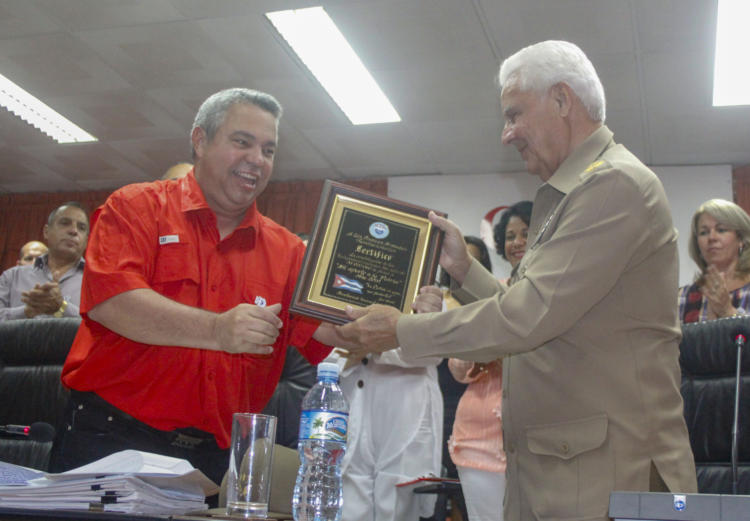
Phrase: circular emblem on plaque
pixel 379 230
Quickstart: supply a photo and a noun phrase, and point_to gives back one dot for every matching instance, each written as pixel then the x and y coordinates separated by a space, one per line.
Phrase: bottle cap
pixel 328 370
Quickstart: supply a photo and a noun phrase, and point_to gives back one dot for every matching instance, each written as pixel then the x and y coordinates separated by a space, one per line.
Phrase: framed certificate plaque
pixel 365 249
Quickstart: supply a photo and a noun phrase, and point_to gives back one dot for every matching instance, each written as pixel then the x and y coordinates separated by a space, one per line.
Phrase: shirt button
pixel 360 384
pixel 213 287
pixel 505 394
pixel 510 447
pixel 109 418
pixel 565 447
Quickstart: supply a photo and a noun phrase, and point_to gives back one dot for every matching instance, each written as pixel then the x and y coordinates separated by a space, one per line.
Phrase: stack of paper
pixel 128 481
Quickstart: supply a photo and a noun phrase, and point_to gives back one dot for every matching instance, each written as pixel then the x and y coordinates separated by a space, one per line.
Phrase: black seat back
pixel 32 353
pixel 297 378
pixel 708 359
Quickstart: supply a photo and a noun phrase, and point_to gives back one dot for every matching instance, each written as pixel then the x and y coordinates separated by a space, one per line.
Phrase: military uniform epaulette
pixel 596 165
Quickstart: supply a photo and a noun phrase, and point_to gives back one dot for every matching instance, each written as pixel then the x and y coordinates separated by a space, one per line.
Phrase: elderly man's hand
pixel 454 255
pixel 248 329
pixel 429 300
pixel 373 329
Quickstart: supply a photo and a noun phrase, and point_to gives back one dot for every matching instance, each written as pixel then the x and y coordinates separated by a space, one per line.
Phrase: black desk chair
pixel 32 353
pixel 708 359
pixel 447 491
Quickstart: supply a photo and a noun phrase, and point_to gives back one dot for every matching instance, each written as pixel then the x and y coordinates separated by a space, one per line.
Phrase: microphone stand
pixel 739 341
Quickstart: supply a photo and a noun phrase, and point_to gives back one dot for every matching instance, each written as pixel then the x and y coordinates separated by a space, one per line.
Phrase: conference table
pixel 23 514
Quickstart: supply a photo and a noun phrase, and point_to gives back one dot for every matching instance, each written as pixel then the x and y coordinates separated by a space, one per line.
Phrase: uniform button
pixel 360 384
pixel 565 447
pixel 365 361
pixel 80 406
pixel 109 418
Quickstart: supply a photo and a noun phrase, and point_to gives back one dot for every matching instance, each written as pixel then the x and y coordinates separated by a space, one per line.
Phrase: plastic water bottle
pixel 322 442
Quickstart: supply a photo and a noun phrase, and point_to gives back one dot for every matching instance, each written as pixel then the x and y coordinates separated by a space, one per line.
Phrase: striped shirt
pixel 694 305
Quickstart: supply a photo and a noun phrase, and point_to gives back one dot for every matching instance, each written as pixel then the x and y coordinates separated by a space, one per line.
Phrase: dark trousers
pixel 94 429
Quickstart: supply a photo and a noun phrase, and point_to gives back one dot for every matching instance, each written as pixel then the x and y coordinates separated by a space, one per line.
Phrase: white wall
pixel 687 187
pixel 466 199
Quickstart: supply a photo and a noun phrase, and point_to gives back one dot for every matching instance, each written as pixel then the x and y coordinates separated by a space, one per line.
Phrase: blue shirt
pixel 18 279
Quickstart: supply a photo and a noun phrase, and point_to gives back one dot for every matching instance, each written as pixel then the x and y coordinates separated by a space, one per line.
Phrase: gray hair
pixel 540 66
pixel 69 204
pixel 211 114
pixel 733 217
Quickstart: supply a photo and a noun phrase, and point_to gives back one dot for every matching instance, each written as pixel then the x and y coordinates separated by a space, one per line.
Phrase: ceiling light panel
pixel 325 52
pixel 36 113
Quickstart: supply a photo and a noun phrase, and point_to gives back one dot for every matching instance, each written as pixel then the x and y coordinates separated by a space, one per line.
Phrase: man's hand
pixel 248 329
pixel 429 300
pixel 454 255
pixel 373 329
pixel 43 299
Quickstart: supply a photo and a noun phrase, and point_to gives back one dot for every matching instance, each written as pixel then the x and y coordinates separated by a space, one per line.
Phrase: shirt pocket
pixel 261 293
pixel 569 439
pixel 176 272
pixel 574 459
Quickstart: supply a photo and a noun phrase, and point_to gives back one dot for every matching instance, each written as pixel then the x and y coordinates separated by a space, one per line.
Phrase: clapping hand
pixel 43 299
pixel 717 294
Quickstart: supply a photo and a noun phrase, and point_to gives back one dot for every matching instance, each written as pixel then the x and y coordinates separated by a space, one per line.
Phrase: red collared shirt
pixel 163 236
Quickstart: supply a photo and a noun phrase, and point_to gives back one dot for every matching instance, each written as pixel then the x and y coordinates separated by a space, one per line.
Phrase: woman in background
pixel 719 240
pixel 476 446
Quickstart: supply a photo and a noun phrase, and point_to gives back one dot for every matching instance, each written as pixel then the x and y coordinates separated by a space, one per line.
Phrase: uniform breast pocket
pixel 262 294
pixel 574 461
pixel 176 270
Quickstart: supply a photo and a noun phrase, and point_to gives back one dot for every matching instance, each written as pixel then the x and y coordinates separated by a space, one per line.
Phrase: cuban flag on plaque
pixel 341 282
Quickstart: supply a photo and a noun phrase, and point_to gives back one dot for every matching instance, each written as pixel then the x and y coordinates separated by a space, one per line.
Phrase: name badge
pixel 167 239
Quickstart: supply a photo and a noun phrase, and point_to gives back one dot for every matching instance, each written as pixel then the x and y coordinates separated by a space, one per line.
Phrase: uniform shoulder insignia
pixel 594 166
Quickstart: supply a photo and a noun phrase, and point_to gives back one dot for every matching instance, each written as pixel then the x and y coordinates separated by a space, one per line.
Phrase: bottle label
pixel 323 425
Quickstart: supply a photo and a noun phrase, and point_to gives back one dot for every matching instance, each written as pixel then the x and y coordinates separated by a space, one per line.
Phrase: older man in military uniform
pixel 588 324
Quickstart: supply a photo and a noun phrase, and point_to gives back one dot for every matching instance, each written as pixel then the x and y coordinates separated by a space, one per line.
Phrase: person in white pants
pixel 395 435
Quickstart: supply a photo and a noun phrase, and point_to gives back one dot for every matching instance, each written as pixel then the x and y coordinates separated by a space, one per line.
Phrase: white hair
pixel 542 65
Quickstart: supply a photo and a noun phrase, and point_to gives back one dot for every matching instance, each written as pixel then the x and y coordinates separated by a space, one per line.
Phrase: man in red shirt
pixel 185 301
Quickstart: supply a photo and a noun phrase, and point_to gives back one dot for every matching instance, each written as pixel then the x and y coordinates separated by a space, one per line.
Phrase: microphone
pixel 739 334
pixel 37 431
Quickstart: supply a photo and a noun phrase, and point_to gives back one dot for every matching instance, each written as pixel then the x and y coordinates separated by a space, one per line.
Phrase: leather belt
pixel 187 438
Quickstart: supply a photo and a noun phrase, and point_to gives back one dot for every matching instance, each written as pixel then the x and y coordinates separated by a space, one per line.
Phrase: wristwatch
pixel 59 312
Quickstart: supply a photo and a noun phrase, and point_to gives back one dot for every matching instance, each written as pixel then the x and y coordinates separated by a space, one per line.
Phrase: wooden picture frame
pixel 365 248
